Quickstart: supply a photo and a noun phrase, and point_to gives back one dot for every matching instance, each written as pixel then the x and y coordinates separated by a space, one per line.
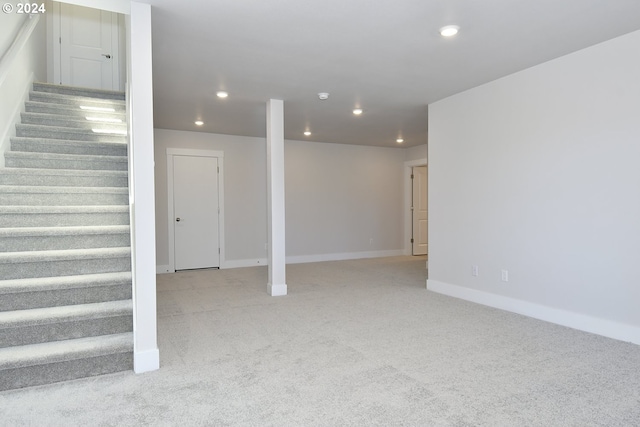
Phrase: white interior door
pixel 89 47
pixel 196 210
pixel 419 209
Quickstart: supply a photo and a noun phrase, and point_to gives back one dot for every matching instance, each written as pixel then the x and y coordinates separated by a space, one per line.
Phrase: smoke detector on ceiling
pixel 323 95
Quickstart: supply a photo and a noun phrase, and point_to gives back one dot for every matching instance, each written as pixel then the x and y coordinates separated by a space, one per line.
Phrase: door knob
pixel 106 55
pixel 177 219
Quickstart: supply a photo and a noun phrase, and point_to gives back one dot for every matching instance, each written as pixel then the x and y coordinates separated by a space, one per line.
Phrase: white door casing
pixel 419 209
pixel 88 52
pixel 196 219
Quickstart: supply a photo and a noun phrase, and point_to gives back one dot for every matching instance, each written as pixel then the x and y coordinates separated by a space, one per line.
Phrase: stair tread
pixel 37 189
pixel 69 141
pixel 57 351
pixel 63 254
pixel 62 231
pixel 62 172
pixel 49 87
pixel 56 156
pixel 75 119
pixel 46 315
pixel 79 98
pixel 64 282
pixel 37 209
pixel 66 129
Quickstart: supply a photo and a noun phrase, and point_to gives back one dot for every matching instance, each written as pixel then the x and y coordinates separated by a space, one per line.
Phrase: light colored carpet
pixel 355 343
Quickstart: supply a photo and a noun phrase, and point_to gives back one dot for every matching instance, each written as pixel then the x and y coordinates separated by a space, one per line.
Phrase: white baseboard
pixel 594 325
pixel 277 290
pixel 239 263
pixel 299 259
pixel 161 269
pixel 146 361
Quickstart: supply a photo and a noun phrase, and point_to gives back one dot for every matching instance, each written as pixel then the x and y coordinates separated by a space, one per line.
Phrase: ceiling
pixel 384 56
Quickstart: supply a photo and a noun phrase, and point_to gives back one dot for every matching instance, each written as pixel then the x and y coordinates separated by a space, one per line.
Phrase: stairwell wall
pixel 27 65
pixel 537 173
pixel 342 201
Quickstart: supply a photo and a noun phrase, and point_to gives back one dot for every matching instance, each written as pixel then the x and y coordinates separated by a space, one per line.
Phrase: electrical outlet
pixel 475 270
pixel 505 275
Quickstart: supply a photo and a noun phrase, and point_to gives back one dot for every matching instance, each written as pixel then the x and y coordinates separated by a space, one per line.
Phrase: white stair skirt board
pixel 581 322
pixel 146 361
pixel 277 290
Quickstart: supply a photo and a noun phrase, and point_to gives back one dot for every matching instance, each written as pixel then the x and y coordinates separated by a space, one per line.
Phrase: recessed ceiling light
pixel 449 30
pixel 399 140
pixel 307 133
pixel 323 95
pixel 357 111
pixel 199 122
pixel 222 94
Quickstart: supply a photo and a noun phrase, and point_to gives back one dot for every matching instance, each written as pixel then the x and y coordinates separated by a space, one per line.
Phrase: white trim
pixel 239 263
pixel 10 130
pixel 594 325
pixel 146 361
pixel 171 225
pixel 299 259
pixel 408 195
pixel 118 6
pixel 277 290
pixel 162 269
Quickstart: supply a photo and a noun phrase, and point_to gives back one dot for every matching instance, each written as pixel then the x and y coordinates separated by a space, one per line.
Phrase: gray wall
pixel 537 173
pixel 340 199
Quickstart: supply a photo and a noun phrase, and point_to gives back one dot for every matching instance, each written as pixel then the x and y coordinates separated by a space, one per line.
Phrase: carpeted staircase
pixel 65 257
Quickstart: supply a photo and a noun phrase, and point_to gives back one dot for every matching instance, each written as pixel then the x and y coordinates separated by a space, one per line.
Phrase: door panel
pixel 195 206
pixel 89 48
pixel 420 207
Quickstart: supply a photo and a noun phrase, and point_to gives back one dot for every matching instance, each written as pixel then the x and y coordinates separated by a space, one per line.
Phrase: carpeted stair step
pixel 63 178
pixel 21 239
pixel 46 363
pixel 78 91
pixel 18 159
pixel 70 111
pixel 97 134
pixel 87 122
pixel 16 195
pixel 24 294
pixel 31 264
pixel 60 146
pixel 83 103
pixel 63 216
pixel 38 325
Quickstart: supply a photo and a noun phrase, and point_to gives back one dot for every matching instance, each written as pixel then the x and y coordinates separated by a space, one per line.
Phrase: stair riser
pixel 36 334
pixel 89 149
pixel 45 243
pixel 77 91
pixel 63 220
pixel 56 99
pixel 71 112
pixel 63 180
pixel 70 122
pixel 60 297
pixel 25 162
pixel 64 199
pixel 63 371
pixel 31 131
pixel 20 270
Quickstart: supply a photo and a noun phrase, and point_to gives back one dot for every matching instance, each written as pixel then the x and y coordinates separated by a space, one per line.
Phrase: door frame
pixel 408 197
pixel 171 225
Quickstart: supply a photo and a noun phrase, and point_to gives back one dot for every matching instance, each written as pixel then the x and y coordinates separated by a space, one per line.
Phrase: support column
pixel 277 284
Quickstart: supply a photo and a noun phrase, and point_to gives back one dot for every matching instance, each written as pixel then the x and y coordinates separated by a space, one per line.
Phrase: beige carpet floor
pixel 355 343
